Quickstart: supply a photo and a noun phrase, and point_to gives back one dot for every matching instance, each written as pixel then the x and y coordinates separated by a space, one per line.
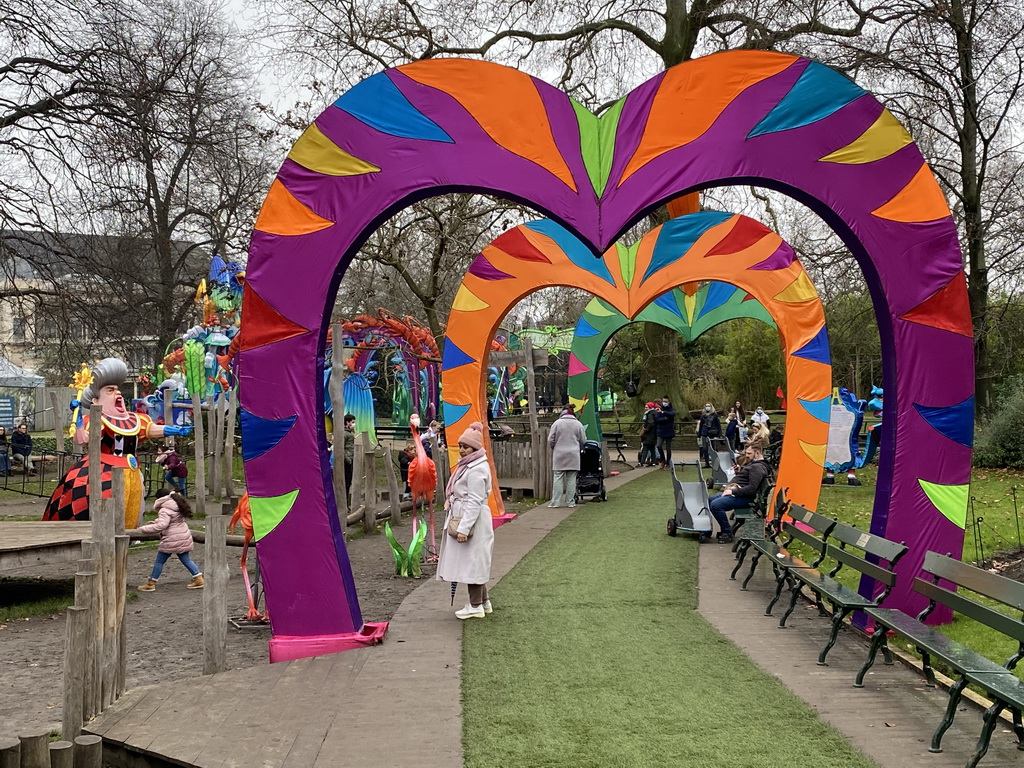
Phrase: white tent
pixel 14 376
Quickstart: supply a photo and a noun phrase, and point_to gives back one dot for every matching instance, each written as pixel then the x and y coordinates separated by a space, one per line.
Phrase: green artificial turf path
pixel 595 656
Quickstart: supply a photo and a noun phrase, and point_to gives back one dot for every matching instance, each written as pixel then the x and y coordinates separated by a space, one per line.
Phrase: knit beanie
pixel 474 436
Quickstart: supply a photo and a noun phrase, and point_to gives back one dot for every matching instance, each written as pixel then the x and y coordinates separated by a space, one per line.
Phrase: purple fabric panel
pixel 312 599
pixel 632 121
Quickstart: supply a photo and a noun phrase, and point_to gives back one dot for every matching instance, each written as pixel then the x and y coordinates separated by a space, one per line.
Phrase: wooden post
pixel 59 424
pixel 538 449
pixel 35 752
pixel 74 670
pixel 169 414
pixel 336 389
pixel 229 445
pixel 62 754
pixel 215 417
pixel 394 496
pixel 215 607
pixel 121 570
pixel 10 753
pixel 88 752
pixel 87 596
pixel 357 480
pixel 369 485
pixel 199 479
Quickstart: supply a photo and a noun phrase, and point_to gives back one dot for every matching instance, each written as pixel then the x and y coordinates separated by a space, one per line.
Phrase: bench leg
pixel 837 624
pixel 947 719
pixel 753 567
pixel 991 717
pixel 780 582
pixel 926 665
pixel 1018 729
pixel 877 641
pixel 796 589
pixel 743 545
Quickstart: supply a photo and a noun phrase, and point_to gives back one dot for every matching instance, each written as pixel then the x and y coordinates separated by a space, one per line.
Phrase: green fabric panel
pixel 627 262
pixel 950 500
pixel 597 141
pixel 268 511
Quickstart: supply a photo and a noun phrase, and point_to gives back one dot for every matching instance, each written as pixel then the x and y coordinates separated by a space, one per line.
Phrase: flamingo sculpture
pixel 422 482
pixel 243 515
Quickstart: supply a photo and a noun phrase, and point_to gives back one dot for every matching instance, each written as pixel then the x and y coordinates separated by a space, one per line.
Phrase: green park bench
pixel 842 546
pixel 1001 684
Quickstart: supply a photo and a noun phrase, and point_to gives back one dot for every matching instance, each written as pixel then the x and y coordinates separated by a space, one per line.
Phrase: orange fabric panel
pixel 683 205
pixel 921 200
pixel 505 103
pixel 283 214
pixel 692 96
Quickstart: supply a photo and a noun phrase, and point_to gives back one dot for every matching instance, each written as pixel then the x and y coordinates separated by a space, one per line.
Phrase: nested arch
pixel 450 124
pixel 690 311
pixel 705 246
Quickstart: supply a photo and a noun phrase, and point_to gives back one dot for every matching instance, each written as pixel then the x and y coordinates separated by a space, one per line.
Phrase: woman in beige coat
pixel 175 537
pixel 466 556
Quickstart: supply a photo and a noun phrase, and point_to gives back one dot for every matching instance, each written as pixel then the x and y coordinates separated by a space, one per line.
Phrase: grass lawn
pixel 596 656
pixel 992 492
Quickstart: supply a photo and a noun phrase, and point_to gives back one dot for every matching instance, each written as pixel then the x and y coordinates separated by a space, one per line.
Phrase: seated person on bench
pixel 741 491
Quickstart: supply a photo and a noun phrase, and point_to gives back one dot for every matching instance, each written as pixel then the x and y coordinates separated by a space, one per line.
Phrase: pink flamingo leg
pixel 253 614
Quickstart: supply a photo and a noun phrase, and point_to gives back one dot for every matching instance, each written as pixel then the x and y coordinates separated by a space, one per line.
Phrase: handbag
pixel 453 527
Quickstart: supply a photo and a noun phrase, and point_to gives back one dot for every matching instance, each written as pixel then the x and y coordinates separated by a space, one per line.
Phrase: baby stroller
pixel 590 480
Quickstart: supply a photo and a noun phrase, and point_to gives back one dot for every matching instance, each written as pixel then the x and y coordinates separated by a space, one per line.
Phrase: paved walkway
pixel 329 711
pixel 891 719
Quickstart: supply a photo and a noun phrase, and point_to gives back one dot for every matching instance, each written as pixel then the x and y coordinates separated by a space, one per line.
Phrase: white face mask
pixel 759 410
pixel 707 409
pixel 664 403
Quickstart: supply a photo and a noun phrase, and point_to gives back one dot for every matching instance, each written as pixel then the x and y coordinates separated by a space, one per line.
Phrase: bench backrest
pixel 815 538
pixel 845 539
pixel 990 585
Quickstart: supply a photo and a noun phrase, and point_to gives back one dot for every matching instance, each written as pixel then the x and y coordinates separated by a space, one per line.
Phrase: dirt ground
pixel 164 628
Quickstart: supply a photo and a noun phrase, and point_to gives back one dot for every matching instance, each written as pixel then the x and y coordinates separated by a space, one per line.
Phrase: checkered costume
pixel 119 442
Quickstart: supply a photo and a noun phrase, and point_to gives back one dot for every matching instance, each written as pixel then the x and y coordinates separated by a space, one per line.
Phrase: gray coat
pixel 566 438
pixel 470 561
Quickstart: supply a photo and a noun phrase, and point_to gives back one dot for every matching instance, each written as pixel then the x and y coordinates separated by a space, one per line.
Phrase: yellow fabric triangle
pixel 801 289
pixel 950 500
pixel 690 303
pixel 579 402
pixel 318 153
pixel 467 301
pixel 598 308
pixel 815 453
pixel 885 137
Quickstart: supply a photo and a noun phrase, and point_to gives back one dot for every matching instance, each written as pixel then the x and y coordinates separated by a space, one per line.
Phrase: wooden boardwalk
pixel 24 544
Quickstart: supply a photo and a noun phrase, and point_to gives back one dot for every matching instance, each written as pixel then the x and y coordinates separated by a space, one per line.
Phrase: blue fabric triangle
pixel 260 435
pixel 819 409
pixel 715 296
pixel 379 103
pixel 453 357
pixel 818 93
pixel 667 301
pixel 816 349
pixel 576 251
pixel 677 236
pixel 585 330
pixel 452 413
pixel 955 421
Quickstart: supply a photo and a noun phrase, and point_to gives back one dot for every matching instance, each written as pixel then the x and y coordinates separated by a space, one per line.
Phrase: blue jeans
pixel 720 507
pixel 174 481
pixel 163 557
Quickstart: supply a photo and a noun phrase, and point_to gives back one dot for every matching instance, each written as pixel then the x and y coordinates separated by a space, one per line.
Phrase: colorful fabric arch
pixel 729 281
pixel 511 135
pixel 689 316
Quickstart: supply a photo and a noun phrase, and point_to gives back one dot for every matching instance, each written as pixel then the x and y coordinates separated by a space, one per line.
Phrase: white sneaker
pixel 471 612
pixel 571 504
pixel 552 505
pixel 487 607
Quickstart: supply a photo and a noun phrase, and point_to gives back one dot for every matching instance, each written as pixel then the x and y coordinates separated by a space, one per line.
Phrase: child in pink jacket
pixel 175 537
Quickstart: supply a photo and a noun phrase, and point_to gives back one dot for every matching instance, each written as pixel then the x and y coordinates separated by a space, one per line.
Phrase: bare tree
pixel 954 72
